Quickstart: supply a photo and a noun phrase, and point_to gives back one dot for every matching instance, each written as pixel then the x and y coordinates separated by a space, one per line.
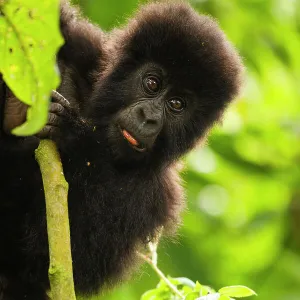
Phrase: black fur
pixel 119 198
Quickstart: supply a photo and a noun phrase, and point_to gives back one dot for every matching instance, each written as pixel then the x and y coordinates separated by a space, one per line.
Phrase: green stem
pixel 161 274
pixel 56 195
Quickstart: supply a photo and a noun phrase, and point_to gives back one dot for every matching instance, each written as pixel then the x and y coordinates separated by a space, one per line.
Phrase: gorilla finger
pixel 53 119
pixel 58 98
pixel 56 108
pixel 48 132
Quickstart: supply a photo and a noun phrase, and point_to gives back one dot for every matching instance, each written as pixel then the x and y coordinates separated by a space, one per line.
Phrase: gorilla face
pixel 143 119
pixel 154 115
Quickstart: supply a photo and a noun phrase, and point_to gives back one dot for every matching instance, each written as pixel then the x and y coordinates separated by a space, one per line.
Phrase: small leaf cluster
pixel 195 291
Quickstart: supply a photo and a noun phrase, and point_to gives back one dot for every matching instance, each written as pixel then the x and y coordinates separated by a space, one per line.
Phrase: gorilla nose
pixel 140 124
pixel 148 119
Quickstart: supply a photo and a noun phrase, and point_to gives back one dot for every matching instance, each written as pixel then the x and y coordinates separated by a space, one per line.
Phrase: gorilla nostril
pixel 141 114
pixel 151 122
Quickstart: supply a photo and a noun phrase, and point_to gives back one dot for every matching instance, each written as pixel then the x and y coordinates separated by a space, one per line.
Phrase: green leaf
pixel 150 295
pixel 202 290
pixel 157 294
pixel 184 289
pixel 192 296
pixel 198 286
pixel 162 284
pixel 30 38
pixel 224 297
pixel 237 291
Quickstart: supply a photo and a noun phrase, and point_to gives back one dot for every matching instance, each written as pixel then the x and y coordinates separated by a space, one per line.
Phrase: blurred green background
pixel 242 225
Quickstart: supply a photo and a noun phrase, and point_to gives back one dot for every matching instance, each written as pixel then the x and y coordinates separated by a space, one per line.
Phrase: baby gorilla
pixel 140 97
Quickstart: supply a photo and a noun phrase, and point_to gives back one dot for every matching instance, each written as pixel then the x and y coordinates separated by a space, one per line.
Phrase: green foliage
pixel 195 291
pixel 237 291
pixel 30 39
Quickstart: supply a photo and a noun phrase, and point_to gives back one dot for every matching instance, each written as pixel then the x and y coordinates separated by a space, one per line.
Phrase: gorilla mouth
pixel 132 141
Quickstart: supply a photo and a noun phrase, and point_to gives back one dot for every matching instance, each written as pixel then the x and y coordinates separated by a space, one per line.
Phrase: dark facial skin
pixel 151 106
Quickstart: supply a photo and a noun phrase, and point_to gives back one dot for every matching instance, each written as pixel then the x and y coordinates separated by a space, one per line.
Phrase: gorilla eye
pixel 176 104
pixel 151 84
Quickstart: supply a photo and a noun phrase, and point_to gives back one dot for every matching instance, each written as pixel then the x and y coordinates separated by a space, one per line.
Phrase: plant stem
pixel 161 274
pixel 56 195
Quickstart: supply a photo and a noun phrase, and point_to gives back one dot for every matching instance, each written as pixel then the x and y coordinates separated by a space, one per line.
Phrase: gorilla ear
pixel 83 48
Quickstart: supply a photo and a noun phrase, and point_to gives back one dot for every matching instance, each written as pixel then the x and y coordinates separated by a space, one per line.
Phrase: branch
pixel 56 195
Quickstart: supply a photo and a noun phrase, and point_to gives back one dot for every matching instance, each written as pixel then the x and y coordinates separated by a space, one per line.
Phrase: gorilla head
pixel 169 76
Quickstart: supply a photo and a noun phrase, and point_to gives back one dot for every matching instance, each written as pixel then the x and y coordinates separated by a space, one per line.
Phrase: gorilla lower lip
pixel 132 141
pixel 130 138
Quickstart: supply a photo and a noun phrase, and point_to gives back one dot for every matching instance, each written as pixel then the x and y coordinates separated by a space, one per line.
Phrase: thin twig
pixel 153 263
